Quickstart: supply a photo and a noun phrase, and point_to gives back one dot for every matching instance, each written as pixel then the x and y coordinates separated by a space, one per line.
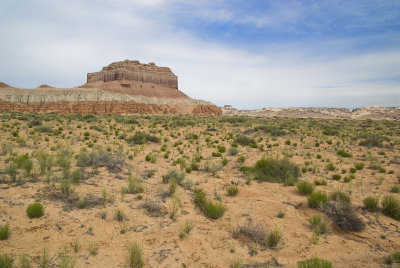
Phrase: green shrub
pixel 274 170
pixel 135 185
pixel 393 258
pixel 244 140
pixel 336 177
pixel 232 190
pixel 6 261
pixel 210 209
pixel 23 162
pixel 330 167
pixel 35 210
pixel 371 203
pixel 340 196
pixel 315 263
pixel 4 231
pixel 372 140
pixel 305 188
pixel 173 175
pixel 185 230
pixel 317 199
pixel 319 225
pixel 359 165
pixel 43 129
pixel 391 207
pixel 343 153
pixel 12 171
pixel 77 175
pixel 321 182
pixel 273 238
pixel 135 255
pixel 221 148
pixel 233 151
pixel 395 189
pixel 142 138
pixel 241 159
pixel 343 215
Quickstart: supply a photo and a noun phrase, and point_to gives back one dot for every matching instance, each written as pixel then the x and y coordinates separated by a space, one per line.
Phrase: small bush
pixel 119 215
pixel 185 230
pixel 321 182
pixel 391 207
pixel 251 233
pixel 317 199
pixel 395 189
pixel 318 224
pixel 274 237
pixel 153 208
pixel 173 175
pixel 212 210
pixel 4 231
pixel 305 188
pixel 221 148
pixel 6 261
pixel 135 255
pixel 142 138
pixel 371 203
pixel 135 185
pixel 244 140
pixel 274 170
pixel 232 190
pixel 393 258
pixel 336 177
pixel 359 165
pixel 35 210
pixel 233 151
pixel 339 196
pixel 315 263
pixel 330 167
pixel 343 153
pixel 344 217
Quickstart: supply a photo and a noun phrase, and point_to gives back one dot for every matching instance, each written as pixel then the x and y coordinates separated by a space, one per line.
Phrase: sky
pixel 249 54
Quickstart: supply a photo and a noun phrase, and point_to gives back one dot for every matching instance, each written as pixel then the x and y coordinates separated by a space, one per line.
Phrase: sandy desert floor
pixel 100 180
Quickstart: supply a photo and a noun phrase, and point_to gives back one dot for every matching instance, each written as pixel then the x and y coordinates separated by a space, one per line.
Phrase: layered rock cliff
pixel 120 88
pixel 135 71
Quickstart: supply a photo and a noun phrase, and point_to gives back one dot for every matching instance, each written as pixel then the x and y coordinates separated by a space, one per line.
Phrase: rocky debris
pixel 368 112
pixel 135 71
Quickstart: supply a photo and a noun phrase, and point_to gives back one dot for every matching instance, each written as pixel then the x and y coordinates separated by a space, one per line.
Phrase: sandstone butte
pixel 125 87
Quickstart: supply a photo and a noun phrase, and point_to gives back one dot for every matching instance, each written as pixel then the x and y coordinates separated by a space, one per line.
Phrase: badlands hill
pixel 120 88
pixel 368 112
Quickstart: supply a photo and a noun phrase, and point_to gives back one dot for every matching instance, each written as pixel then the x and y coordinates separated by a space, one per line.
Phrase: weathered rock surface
pixel 135 71
pixel 120 88
pixel 368 112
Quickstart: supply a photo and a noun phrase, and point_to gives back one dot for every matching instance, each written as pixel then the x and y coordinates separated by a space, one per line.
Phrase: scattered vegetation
pixel 35 210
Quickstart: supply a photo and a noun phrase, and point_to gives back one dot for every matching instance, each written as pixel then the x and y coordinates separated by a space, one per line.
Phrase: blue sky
pixel 249 54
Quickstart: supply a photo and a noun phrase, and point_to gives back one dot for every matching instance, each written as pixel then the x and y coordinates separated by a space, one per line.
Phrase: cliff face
pixel 135 71
pixel 120 88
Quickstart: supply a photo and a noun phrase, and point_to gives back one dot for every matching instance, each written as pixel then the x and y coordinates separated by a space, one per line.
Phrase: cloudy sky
pixel 248 53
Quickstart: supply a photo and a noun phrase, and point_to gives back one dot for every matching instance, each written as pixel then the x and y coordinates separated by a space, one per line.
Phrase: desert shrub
pixel 241 159
pixel 251 233
pixel 395 189
pixel 314 263
pixel 244 140
pixel 43 129
pixel 174 207
pixel 172 187
pixel 391 207
pixel 45 160
pixel 317 199
pixel 343 153
pixel 353 170
pixel 191 136
pixel 119 215
pixel 318 224
pixel 330 167
pixel 100 158
pixel 321 182
pixel 23 162
pixel 93 248
pixel 232 191
pixel 173 175
pixel 213 210
pixel 290 181
pixel 372 140
pixel 393 258
pixel 233 151
pixel 4 231
pixel 82 203
pixel 24 261
pixel 6 261
pixel 77 175
pixel 35 210
pixel 359 165
pixel 12 171
pixel 135 185
pixel 371 203
pixel 185 230
pixel 274 170
pixel 343 215
pixel 221 148
pixel 65 187
pixel 336 177
pixel 153 208
pixel 305 188
pixel 274 237
pixel 135 255
pixel 142 138
pixel 272 130
pixel 339 196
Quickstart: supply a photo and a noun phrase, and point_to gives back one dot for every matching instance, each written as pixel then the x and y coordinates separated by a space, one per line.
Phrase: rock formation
pixel 120 88
pixel 135 71
pixel 368 112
